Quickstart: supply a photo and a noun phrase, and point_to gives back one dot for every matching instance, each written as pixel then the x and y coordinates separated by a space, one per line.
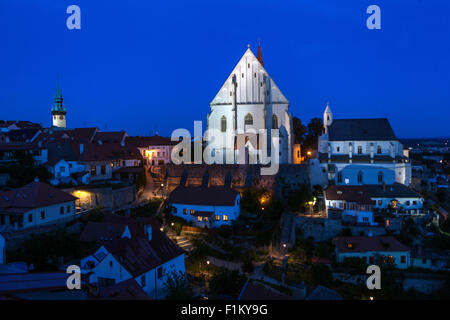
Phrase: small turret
pixel 327 117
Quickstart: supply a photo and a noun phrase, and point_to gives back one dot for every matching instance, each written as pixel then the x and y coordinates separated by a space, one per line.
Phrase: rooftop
pixel 361 130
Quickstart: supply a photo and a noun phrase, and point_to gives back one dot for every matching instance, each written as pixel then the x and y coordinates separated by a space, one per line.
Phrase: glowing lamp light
pixel 308 153
pixel 371 298
pixel 284 245
pixel 161 229
pixel 208 262
pixel 172 224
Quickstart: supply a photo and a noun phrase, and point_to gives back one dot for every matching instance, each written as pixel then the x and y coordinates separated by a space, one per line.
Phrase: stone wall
pixel 237 176
pixel 322 229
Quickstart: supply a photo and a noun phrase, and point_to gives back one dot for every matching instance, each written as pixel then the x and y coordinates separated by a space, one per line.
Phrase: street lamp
pixel 172 224
pixel 208 262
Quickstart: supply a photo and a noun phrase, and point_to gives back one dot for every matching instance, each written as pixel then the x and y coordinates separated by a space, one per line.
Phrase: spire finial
pixel 259 56
pixel 248 46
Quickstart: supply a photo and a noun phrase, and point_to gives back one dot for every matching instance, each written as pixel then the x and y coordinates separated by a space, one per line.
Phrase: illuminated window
pixel 217 217
pixel 349 245
pixel 206 219
pixel 391 259
pixel 199 218
pixel 192 211
pixel 112 164
pixel 387 223
pixel 184 211
pixel 225 217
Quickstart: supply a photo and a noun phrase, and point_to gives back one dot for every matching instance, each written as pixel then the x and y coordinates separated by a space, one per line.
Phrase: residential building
pixel 155 150
pixel 352 204
pixel 373 250
pixel 361 151
pixel 250 101
pixel 205 206
pixel 397 197
pixel 34 205
pixel 130 250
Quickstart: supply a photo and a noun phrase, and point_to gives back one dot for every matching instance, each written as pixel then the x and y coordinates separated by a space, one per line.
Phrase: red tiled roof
pixel 210 196
pixel 33 195
pixel 365 244
pixel 144 142
pixel 256 291
pixel 138 254
pixel 125 290
pixel 108 152
pixel 358 194
pixel 77 135
pixel 107 137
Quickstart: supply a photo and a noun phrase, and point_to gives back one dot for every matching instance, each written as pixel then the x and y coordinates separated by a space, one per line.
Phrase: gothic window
pixel 223 124
pixel 242 75
pixel 248 119
pixel 379 149
pixel 274 122
pixel 360 177
pixel 359 149
pixel 380 177
pixel 338 149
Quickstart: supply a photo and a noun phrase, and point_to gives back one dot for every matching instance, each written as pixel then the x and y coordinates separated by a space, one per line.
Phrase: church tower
pixel 327 117
pixel 59 110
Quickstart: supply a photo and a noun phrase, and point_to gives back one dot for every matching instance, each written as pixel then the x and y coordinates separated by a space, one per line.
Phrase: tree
pixel 226 282
pixel 299 130
pixel 178 287
pixel 314 130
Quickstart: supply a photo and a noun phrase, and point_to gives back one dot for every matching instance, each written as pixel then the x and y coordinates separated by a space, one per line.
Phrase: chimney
pixel 81 148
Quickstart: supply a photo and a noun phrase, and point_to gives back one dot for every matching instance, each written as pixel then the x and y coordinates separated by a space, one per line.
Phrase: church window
pixel 248 64
pixel 248 119
pixel 379 149
pixel 261 84
pixel 231 93
pixel 223 124
pixel 242 75
pixel 360 177
pixel 274 122
pixel 338 149
pixel 255 74
pixel 380 177
pixel 359 149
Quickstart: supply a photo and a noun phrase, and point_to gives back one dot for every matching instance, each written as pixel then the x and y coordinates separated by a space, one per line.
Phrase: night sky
pixel 147 66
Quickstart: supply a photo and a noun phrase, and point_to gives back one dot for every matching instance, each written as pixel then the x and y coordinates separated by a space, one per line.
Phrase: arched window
pixel 248 119
pixel 359 149
pixel 379 149
pixel 223 124
pixel 380 177
pixel 360 177
pixel 274 122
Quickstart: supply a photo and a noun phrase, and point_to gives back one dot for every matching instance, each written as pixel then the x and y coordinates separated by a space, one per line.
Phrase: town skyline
pixel 114 82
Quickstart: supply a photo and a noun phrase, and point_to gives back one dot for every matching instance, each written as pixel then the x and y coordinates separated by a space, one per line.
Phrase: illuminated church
pixel 59 110
pixel 249 101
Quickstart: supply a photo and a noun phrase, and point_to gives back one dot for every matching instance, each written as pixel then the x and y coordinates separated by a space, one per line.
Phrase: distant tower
pixel 59 110
pixel 327 117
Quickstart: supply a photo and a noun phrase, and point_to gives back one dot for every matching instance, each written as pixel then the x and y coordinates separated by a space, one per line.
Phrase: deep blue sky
pixel 146 66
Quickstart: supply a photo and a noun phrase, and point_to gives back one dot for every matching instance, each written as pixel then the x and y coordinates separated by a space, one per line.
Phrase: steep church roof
pixel 250 74
pixel 361 130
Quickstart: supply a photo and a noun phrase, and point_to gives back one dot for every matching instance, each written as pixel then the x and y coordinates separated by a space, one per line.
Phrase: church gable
pixel 250 74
